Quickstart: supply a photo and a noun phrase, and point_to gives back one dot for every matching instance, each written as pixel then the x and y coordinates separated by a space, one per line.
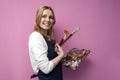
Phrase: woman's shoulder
pixel 35 33
pixel 36 36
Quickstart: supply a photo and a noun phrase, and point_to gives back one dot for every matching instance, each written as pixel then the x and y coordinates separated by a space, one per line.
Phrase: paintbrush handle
pixel 71 34
pixel 62 42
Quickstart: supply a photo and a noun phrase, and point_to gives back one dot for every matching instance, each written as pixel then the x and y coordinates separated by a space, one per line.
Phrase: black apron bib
pixel 56 73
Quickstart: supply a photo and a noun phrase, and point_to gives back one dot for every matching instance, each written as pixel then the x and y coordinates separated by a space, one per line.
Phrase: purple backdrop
pixel 99 22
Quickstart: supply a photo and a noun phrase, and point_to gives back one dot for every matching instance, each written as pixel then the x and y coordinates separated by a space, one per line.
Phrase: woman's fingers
pixel 58 49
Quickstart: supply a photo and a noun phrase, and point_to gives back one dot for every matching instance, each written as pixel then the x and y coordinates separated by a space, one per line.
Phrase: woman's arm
pixel 60 53
pixel 38 53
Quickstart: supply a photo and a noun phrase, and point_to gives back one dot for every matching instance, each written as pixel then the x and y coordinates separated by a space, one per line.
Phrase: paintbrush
pixel 66 37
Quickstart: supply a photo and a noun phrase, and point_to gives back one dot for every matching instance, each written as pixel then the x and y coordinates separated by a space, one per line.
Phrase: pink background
pixel 99 22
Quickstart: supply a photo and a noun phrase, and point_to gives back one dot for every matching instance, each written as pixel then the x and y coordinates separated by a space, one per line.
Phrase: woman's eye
pixel 45 16
pixel 51 17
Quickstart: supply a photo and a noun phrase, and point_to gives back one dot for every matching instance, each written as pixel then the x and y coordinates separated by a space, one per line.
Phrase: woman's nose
pixel 47 19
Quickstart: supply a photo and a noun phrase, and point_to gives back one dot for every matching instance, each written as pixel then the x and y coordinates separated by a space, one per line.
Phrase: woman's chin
pixel 46 28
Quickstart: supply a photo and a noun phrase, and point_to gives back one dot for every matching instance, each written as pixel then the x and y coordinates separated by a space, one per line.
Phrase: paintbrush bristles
pixel 66 37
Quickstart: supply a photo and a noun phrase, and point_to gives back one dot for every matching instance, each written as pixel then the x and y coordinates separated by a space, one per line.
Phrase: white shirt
pixel 38 53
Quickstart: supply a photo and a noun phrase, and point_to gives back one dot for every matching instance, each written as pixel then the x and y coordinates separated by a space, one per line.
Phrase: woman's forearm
pixel 57 59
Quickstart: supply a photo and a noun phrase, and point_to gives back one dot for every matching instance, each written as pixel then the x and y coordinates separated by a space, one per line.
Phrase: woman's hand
pixel 60 53
pixel 59 49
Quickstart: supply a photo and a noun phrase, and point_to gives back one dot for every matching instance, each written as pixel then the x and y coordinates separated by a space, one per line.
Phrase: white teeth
pixel 46 23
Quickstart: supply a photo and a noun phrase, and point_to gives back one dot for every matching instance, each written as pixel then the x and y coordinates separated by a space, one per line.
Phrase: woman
pixel 45 53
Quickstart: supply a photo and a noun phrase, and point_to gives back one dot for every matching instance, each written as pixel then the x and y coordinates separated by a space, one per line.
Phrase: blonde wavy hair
pixel 38 19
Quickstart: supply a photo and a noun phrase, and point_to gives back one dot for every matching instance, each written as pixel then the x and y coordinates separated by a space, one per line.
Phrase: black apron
pixel 56 73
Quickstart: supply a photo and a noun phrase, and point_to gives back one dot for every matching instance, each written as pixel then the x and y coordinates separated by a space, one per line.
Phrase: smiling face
pixel 47 19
